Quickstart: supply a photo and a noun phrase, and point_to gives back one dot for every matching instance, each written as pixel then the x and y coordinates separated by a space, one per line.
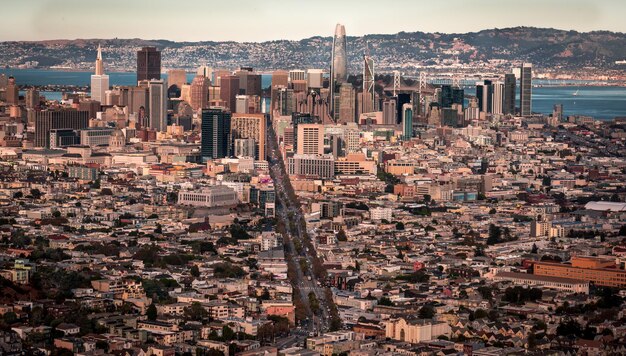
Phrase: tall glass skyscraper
pixel 215 134
pixel 407 121
pixel 510 87
pixel 525 94
pixel 148 64
pixel 339 65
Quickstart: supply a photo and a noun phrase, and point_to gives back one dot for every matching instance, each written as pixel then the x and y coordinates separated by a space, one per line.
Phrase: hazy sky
pixel 254 20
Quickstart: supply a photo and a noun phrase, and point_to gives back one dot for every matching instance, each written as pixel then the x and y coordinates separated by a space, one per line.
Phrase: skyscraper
pixel 99 80
pixel 497 97
pixel 229 89
pixel 32 98
pixel 310 139
pixel 48 120
pixel 148 64
pixel 250 126
pixel 298 118
pixel 347 101
pixel 525 94
pixel 510 88
pixel 368 84
pixel 339 65
pixel 199 93
pixel 215 134
pixel 157 103
pixel 176 77
pixel 484 93
pixel 407 121
pixel 390 111
pixel 12 93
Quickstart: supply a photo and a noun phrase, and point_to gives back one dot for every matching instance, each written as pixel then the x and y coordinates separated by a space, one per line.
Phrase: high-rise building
pixel 205 71
pixel 199 93
pixel 497 100
pixel 298 118
pixel 157 103
pixel 32 98
pixel 99 80
pixel 310 139
pixel 407 121
pixel 525 94
pixel 390 111
pixel 243 104
pixel 484 94
pixel 297 74
pixel 510 87
pixel 250 126
pixel 347 103
pixel 215 134
pixel 229 89
pixel 368 85
pixel 339 65
pixel 148 64
pixel 315 78
pixel 48 120
pixel 12 92
pixel 176 77
pixel 557 112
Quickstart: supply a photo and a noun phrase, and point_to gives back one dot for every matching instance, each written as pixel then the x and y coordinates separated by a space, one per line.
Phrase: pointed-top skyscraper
pixel 368 83
pixel 99 80
pixel 339 65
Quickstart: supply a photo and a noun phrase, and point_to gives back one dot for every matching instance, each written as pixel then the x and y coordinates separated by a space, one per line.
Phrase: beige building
pixel 416 330
pixel 310 139
pixel 252 126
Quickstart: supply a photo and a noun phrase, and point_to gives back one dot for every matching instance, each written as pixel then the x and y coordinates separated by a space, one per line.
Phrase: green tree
pixel 495 235
pixel 399 225
pixel 426 312
pixel 151 313
pixel 341 236
pixel 195 271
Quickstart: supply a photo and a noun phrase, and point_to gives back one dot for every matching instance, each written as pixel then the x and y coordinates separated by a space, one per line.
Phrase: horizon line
pixel 314 36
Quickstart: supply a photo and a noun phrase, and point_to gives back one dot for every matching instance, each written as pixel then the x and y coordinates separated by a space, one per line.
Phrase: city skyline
pixel 45 20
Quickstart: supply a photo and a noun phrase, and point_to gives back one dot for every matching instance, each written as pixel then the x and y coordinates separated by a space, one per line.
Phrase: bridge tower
pixel 396 82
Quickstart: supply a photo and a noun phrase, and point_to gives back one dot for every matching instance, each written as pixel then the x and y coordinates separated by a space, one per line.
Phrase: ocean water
pixel 600 102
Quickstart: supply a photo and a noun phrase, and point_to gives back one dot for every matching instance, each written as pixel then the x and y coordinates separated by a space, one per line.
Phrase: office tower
pixel 472 112
pixel 176 77
pixel 92 106
pixel 458 96
pixel 315 78
pixel 148 64
pixel 450 117
pixel 297 74
pixel 347 101
pixel 199 93
pixel 484 93
pixel 508 107
pixel 243 105
pixel 229 89
pixel 368 85
pixel 390 111
pixel 445 96
pixel 284 101
pixel 407 121
pixel 215 127
pixel 205 71
pixel 497 100
pixel 48 120
pixel 12 92
pixel 249 82
pixel 99 80
pixel 310 139
pixel 280 78
pixel 416 101
pixel 403 98
pixel 138 101
pixel 525 84
pixel 557 112
pixel 157 103
pixel 32 98
pixel 298 118
pixel 250 126
pixel 339 65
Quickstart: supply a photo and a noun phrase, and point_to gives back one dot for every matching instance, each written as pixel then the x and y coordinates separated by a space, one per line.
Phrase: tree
pixel 495 235
pixel 196 312
pixel 18 195
pixel 195 271
pixel 399 225
pixel 151 313
pixel 426 312
pixel 341 236
pixel 534 249
pixel 56 214
pixel 492 211
pixel 385 301
pixel 36 193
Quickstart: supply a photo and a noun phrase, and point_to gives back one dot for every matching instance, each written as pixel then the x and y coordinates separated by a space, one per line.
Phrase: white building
pixel 212 196
pixel 380 213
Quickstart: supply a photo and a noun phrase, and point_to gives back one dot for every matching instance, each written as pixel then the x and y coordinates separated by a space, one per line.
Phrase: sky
pixel 253 20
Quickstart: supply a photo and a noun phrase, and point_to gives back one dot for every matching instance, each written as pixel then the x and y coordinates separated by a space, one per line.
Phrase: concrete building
pixel 310 139
pixel 209 197
pixel 250 126
pixel 415 331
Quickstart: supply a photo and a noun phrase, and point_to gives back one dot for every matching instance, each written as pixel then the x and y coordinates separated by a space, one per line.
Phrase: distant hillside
pixel 546 48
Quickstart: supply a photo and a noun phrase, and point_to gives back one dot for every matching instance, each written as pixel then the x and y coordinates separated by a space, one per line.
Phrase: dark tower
pixel 510 88
pixel 215 134
pixel 148 64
